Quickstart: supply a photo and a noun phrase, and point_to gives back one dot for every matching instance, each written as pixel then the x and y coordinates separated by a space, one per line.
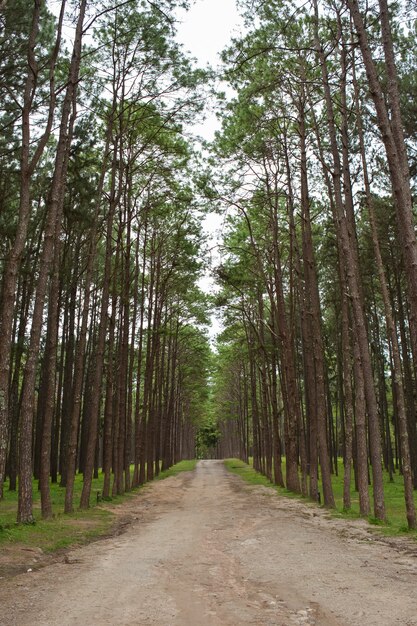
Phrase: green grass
pixel 65 530
pixel 182 466
pixel 396 522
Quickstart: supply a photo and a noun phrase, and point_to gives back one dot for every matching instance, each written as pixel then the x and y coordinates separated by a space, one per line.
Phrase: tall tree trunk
pixel 353 278
pixel 52 231
pixel 396 150
pixel 50 390
pixel 28 164
pixel 99 348
pixel 391 329
pixel 312 290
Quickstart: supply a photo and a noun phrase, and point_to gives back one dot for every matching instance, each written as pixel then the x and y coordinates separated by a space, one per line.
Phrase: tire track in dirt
pixel 208 549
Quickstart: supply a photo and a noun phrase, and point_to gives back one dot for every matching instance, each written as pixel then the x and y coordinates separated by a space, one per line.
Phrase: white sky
pixel 205 30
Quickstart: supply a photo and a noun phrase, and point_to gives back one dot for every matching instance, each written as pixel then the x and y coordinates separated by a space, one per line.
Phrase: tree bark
pixel 353 279
pixel 27 167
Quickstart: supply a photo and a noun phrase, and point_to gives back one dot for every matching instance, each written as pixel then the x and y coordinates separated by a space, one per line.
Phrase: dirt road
pixel 207 549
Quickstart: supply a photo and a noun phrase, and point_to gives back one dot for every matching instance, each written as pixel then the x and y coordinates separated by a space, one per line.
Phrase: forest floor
pixel 204 548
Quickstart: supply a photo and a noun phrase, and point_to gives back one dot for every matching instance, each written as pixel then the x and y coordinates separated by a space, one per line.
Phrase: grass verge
pixel 65 530
pixel 394 498
pixel 183 466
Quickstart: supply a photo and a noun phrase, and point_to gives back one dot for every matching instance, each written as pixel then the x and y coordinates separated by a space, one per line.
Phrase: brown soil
pixel 205 548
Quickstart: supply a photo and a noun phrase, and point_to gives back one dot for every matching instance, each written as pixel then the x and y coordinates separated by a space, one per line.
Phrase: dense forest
pixel 105 358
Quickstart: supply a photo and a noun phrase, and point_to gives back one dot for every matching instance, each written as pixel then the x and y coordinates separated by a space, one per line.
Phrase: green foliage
pixel 208 436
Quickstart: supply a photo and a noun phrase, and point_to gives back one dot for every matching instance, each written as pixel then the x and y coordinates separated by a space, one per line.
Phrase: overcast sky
pixel 205 30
